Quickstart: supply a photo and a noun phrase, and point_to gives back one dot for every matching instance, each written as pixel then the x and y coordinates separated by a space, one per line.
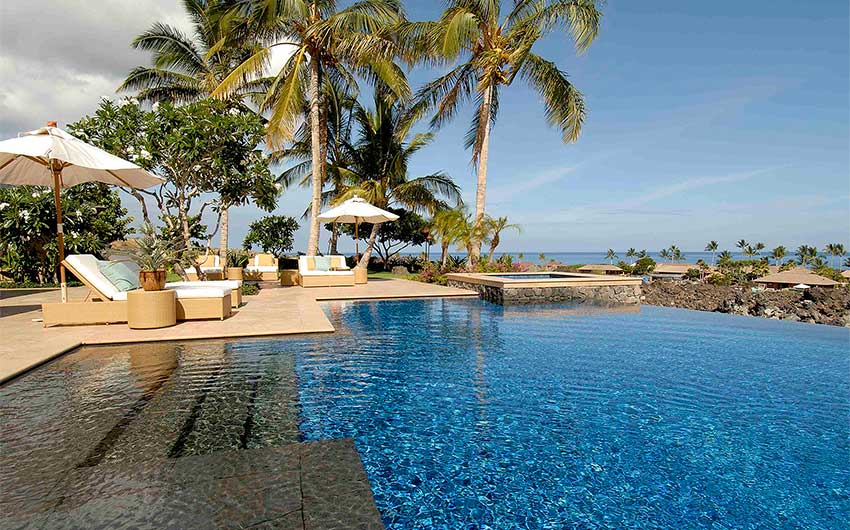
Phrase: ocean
pixel 571 258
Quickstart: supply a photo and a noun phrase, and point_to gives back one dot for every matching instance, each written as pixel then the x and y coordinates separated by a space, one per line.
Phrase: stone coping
pixel 565 279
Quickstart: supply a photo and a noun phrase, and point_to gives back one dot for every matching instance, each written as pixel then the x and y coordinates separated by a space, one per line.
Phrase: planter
pixel 288 277
pixel 234 273
pixel 152 280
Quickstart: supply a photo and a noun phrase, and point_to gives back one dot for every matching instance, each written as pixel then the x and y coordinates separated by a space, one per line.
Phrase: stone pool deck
pixel 299 486
pixel 25 343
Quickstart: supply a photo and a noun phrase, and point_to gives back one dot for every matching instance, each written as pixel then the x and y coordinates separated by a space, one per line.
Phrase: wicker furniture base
pixel 326 281
pixel 361 275
pixel 151 309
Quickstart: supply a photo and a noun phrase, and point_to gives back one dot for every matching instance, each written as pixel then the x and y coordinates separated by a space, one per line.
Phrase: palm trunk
pixel 481 193
pixel 223 245
pixel 334 240
pixel 373 236
pixel 444 253
pixel 316 148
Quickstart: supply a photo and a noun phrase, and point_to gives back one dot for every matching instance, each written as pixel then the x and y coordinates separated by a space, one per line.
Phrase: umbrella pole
pixel 59 229
pixel 356 242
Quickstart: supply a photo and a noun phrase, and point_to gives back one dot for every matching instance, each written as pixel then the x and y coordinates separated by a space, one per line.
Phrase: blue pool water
pixel 469 415
pixel 520 276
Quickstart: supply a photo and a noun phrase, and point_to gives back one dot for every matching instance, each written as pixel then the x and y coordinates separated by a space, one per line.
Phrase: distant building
pixel 793 277
pixel 674 271
pixel 846 274
pixel 600 268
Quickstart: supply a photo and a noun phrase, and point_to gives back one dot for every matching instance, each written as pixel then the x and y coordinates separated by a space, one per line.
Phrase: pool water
pixel 540 276
pixel 474 415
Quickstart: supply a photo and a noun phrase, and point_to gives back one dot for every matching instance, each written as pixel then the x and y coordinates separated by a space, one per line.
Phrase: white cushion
pixel 189 292
pixel 208 269
pixel 263 268
pixel 328 273
pixel 227 284
pixel 302 266
pixel 86 265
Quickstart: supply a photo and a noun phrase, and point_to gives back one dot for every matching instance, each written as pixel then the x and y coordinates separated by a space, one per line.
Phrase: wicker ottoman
pixel 151 309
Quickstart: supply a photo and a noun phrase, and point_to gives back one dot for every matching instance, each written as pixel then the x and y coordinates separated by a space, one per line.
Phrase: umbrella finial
pixel 52 123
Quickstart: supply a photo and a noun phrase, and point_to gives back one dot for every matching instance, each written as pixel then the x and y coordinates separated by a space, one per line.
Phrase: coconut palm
pixel 611 256
pixel 495 226
pixel 631 252
pixel 379 159
pixel 724 257
pixel 836 250
pixel 778 254
pixel 806 254
pixel 742 245
pixel 447 226
pixel 676 254
pixel 847 262
pixel 488 52
pixel 324 43
pixel 189 68
pixel 665 254
pixel 642 254
pixel 712 247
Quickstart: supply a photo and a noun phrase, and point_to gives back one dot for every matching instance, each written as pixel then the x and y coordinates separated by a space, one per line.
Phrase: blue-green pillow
pixel 323 263
pixel 119 274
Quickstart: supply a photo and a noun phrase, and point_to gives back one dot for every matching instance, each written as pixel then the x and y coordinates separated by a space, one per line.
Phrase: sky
pixel 706 120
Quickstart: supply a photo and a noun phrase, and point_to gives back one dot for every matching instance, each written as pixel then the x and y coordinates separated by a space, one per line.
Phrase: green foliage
pixel 273 233
pixel 250 289
pixel 641 267
pixel 409 229
pixel 92 216
pixel 237 257
pixel 151 252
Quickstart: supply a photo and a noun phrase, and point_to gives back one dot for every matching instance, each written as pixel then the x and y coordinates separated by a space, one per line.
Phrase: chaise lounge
pixel 210 266
pixel 107 304
pixel 324 271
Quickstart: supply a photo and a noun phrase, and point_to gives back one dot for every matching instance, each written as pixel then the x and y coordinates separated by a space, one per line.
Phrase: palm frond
pixel 565 107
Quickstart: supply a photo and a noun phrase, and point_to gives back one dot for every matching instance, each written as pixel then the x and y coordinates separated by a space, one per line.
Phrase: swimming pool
pixel 473 415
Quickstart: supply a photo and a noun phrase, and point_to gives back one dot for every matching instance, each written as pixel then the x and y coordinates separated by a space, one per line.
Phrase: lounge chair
pixel 106 304
pixel 262 267
pixel 310 276
pixel 210 266
pixel 235 286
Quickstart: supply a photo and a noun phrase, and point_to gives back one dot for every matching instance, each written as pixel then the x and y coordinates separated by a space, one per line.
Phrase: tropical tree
pixel 446 227
pixel 325 43
pixel 806 254
pixel 847 262
pixel 724 258
pixel 675 253
pixel 488 52
pixel 665 253
pixel 189 68
pixel 642 254
pixel 379 160
pixel 778 254
pixel 631 252
pixel 742 245
pixel 495 227
pixel 611 256
pixel 712 247
pixel 837 251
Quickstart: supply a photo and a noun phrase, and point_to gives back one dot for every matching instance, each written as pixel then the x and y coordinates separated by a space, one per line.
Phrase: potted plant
pixel 237 259
pixel 153 255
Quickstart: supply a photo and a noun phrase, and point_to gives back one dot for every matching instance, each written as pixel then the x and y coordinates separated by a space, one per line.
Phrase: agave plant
pixel 152 253
pixel 237 257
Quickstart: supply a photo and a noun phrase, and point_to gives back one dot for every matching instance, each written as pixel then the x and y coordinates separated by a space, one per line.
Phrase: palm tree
pixel 712 247
pixel 189 68
pixel 806 254
pixel 778 254
pixel 836 250
pixel 758 248
pixel 495 228
pixel 611 256
pixel 446 226
pixel 665 254
pixel 325 43
pixel 487 52
pixel 675 253
pixel 379 160
pixel 847 262
pixel 742 245
pixel 642 254
pixel 724 257
pixel 631 252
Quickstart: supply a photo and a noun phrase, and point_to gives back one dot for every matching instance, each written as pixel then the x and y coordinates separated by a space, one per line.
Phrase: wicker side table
pixel 151 309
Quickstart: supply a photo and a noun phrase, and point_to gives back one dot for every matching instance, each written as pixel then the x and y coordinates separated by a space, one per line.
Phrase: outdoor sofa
pixel 261 267
pixel 210 266
pixel 324 271
pixel 107 304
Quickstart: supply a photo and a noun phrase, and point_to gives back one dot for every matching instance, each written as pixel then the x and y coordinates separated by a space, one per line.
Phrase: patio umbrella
pixel 357 210
pixel 51 157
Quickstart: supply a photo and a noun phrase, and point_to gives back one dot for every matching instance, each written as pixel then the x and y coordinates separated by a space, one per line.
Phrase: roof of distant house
pixel 593 267
pixel 797 276
pixel 675 268
pixel 846 273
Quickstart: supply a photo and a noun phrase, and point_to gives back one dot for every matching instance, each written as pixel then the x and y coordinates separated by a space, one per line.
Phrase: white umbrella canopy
pixel 356 210
pixel 51 157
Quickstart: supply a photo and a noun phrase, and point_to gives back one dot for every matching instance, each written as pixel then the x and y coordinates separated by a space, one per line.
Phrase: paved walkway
pixel 25 343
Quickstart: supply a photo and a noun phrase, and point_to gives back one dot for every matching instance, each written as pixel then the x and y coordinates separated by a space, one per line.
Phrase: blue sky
pixel 707 120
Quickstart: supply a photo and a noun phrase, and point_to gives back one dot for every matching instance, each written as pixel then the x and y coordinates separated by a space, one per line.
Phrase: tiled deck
pixel 301 486
pixel 25 343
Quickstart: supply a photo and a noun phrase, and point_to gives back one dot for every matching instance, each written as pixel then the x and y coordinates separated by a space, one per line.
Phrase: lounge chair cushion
pixel 328 273
pixel 323 263
pixel 86 265
pixel 119 274
pixel 190 292
pixel 227 284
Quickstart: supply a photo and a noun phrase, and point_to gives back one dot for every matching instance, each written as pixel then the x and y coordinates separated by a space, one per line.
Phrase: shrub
pixel 250 289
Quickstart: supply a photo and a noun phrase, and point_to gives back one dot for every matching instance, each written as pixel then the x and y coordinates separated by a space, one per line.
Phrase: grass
pixel 384 275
